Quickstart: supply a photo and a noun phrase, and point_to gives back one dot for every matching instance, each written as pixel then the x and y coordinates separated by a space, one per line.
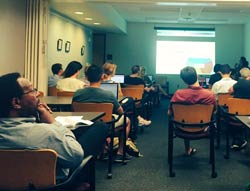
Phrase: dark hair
pixel 189 75
pixel 55 68
pixel 225 69
pixel 12 89
pixel 217 68
pixel 94 73
pixel 135 69
pixel 72 68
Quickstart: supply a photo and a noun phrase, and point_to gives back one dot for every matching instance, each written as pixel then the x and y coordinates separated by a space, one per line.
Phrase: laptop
pixel 118 78
pixel 113 87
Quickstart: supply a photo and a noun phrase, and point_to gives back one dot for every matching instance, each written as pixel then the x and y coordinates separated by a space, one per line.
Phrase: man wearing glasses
pixel 21 128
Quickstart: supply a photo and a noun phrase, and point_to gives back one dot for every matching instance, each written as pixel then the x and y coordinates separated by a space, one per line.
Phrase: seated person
pixel 57 73
pixel 95 94
pixel 26 123
pixel 194 94
pixel 216 76
pixel 223 85
pixel 149 83
pixel 70 81
pixel 109 70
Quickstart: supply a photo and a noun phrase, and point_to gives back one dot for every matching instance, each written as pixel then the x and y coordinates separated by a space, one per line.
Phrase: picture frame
pixel 67 46
pixel 59 44
pixel 82 50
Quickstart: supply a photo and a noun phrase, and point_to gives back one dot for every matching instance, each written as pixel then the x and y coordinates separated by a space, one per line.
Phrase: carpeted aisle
pixel 150 172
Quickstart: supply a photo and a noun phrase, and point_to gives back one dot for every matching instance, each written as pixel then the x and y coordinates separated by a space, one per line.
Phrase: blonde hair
pixel 245 72
pixel 109 69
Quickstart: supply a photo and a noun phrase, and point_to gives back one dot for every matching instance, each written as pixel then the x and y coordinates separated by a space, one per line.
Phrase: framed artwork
pixel 67 46
pixel 59 44
pixel 82 50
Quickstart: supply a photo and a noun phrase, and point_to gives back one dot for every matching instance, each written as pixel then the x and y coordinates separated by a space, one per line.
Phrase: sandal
pixel 191 152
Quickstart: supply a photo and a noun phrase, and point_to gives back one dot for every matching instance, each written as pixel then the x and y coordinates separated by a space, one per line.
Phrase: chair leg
pixel 218 130
pixel 92 174
pixel 212 153
pixel 170 150
pixel 124 139
pixel 110 161
pixel 227 155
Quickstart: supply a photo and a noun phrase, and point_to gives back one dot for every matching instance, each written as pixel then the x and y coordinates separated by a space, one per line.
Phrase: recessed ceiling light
pixel 79 12
pixel 96 23
pixel 193 4
pixel 88 19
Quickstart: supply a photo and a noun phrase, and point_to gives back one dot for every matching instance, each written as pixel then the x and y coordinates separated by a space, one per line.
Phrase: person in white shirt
pixel 223 85
pixel 70 82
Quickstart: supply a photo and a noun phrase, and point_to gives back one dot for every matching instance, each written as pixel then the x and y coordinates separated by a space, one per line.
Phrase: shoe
pixel 143 122
pixel 239 144
pixel 191 152
pixel 119 158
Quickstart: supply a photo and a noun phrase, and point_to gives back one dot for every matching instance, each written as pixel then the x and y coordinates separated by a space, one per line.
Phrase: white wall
pixel 247 42
pixel 67 30
pixel 12 32
pixel 138 46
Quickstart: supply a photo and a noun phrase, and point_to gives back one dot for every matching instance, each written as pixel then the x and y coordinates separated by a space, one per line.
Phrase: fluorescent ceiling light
pixel 96 23
pixel 88 19
pixel 78 12
pixel 193 4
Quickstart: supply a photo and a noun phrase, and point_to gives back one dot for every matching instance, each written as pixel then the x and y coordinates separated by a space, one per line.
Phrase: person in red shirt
pixel 193 94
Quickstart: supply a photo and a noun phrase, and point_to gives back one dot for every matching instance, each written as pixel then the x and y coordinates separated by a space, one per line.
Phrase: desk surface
pixel 92 116
pixel 244 120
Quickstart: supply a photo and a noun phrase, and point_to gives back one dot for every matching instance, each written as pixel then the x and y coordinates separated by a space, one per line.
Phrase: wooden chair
pixel 220 118
pixel 236 106
pixel 34 169
pixel 65 93
pixel 107 118
pixel 52 91
pixel 191 122
pixel 136 93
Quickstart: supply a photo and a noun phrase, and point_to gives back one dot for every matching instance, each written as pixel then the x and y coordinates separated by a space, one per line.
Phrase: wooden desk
pixel 57 103
pixel 92 116
pixel 245 120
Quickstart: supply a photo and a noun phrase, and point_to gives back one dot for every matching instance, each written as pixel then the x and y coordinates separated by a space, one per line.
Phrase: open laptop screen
pixel 118 78
pixel 113 87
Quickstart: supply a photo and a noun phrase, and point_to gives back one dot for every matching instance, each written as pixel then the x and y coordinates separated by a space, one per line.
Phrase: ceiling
pixel 114 14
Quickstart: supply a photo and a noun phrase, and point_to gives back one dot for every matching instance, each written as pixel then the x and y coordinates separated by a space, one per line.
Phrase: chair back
pixel 238 106
pixel 95 107
pixel 222 98
pixel 20 168
pixel 135 86
pixel 192 114
pixel 52 91
pixel 135 93
pixel 65 93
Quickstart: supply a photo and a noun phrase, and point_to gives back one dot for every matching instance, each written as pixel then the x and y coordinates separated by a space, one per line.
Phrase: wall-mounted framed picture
pixel 59 44
pixel 82 50
pixel 67 46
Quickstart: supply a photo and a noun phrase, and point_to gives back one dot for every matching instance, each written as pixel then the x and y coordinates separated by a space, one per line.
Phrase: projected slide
pixel 172 56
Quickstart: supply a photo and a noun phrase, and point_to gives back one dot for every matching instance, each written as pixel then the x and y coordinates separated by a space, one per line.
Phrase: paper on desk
pixel 72 121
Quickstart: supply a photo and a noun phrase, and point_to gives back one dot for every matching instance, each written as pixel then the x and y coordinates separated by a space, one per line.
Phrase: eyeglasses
pixel 34 91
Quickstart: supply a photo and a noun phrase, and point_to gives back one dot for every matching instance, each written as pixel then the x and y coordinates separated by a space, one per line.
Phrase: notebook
pixel 113 87
pixel 118 78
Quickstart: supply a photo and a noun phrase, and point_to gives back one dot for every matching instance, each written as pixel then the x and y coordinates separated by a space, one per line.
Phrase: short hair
pixel 55 68
pixel 135 69
pixel 245 72
pixel 217 68
pixel 189 75
pixel 72 68
pixel 94 73
pixel 225 69
pixel 12 89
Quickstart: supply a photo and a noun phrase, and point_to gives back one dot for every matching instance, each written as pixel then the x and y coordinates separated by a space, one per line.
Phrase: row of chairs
pixel 198 121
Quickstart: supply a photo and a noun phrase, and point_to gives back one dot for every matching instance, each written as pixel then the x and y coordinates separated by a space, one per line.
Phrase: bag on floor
pixel 132 150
